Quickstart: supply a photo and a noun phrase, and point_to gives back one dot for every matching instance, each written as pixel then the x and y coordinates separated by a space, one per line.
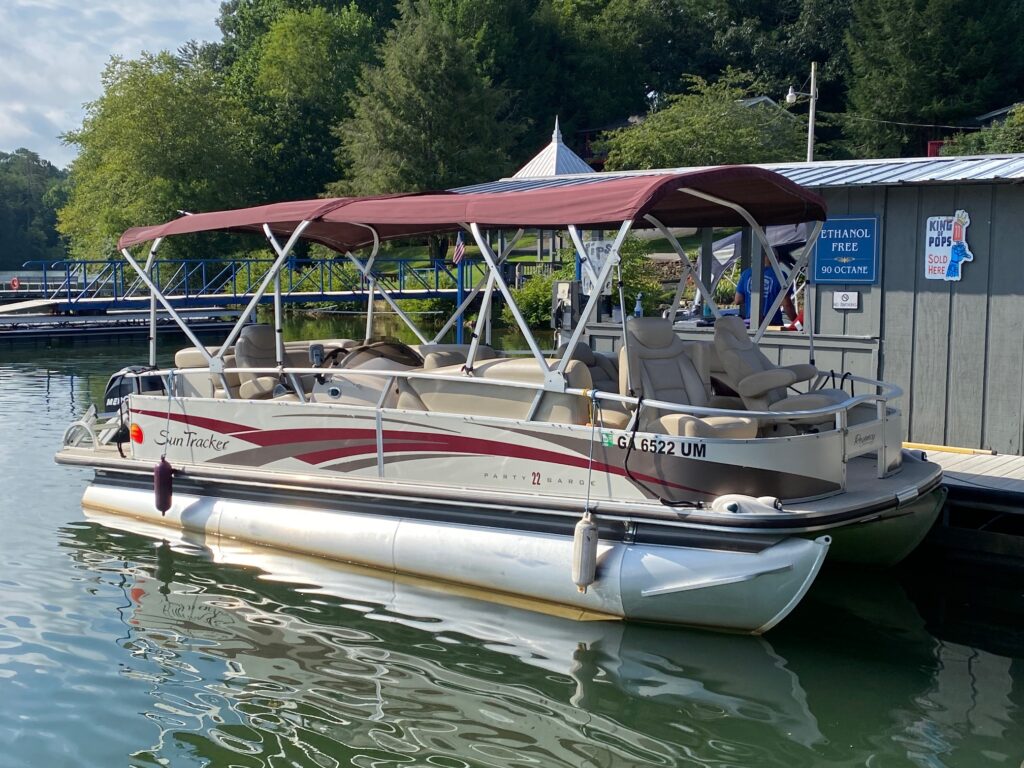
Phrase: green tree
pixel 776 40
pixel 929 62
pixel 303 71
pixel 425 119
pixel 27 214
pixel 1004 137
pixel 709 125
pixel 517 47
pixel 164 137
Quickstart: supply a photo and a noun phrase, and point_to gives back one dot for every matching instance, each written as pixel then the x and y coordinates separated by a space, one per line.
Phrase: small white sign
pixel 846 300
pixel 598 252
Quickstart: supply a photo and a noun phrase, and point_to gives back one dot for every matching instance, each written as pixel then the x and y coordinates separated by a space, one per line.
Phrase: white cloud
pixel 53 51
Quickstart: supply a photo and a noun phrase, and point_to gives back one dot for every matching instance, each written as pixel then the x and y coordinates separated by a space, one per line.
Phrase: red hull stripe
pixel 396 442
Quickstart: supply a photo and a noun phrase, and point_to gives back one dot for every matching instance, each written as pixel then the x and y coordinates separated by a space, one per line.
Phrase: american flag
pixel 460 249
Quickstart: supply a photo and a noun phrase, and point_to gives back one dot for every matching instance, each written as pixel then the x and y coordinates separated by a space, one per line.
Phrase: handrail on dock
pixel 107 284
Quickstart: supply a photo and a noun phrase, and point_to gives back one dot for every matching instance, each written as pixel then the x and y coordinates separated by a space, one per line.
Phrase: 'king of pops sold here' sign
pixel 945 246
pixel 847 250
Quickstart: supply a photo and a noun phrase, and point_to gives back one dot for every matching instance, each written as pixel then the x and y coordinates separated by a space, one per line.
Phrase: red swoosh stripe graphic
pixel 395 442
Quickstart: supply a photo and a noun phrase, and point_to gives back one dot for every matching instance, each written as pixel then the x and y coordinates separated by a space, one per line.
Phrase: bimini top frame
pixel 724 196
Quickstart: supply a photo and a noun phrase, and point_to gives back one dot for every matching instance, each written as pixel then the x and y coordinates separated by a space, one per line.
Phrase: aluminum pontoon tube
pixel 737 591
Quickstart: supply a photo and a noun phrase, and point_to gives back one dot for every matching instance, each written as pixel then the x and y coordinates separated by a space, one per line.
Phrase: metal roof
pixel 821 174
pixel 555 159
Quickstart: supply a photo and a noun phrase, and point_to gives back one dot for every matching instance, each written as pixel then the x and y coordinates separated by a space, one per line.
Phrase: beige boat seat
pixel 462 394
pixel 604 373
pixel 761 384
pixel 443 355
pixel 203 383
pixel 658 365
pixel 255 348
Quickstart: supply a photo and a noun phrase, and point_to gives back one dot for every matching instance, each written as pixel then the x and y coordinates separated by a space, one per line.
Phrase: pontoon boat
pixel 627 486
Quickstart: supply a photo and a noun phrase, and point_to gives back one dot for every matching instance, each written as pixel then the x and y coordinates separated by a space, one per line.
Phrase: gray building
pixel 956 347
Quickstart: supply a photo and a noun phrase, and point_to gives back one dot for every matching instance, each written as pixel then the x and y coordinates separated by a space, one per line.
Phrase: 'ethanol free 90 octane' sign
pixel 847 250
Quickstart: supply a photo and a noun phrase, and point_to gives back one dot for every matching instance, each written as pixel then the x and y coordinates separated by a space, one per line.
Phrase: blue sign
pixel 847 250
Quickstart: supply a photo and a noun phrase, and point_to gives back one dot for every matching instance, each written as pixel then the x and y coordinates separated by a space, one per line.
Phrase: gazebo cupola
pixel 554 160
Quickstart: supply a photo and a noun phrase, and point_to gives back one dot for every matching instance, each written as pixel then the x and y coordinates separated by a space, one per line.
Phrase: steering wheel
pixel 331 358
pixel 389 350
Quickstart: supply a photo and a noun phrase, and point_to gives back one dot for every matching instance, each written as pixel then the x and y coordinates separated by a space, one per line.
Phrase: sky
pixel 53 51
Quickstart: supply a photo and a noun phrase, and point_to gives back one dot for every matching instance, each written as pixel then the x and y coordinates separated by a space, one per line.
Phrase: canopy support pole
pixel 368 333
pixel 492 264
pixel 688 270
pixel 484 319
pixel 167 305
pixel 364 270
pixel 763 238
pixel 506 250
pixel 787 285
pixel 282 254
pixel 152 303
pixel 755 227
pixel 595 295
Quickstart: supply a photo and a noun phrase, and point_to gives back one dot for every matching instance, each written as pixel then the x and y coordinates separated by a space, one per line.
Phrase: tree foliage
pixel 929 62
pixel 425 118
pixel 164 137
pixel 303 97
pixel 709 125
pixel 302 71
pixel 29 192
pixel 999 138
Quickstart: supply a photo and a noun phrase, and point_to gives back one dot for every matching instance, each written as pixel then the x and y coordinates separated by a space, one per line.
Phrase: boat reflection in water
pixel 257 652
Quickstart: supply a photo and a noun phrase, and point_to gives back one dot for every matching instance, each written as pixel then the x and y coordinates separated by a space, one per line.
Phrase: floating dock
pixel 984 515
pixel 34 326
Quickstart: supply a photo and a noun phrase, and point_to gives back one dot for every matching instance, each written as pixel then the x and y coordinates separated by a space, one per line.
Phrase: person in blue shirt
pixel 770 288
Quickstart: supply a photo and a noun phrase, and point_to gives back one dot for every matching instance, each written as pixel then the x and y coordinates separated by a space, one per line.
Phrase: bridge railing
pixel 234 279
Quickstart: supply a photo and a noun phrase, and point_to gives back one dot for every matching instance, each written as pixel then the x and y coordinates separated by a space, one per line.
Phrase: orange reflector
pixel 136 433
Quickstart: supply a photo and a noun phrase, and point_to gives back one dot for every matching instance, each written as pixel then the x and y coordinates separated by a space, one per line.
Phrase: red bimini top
pixel 591 202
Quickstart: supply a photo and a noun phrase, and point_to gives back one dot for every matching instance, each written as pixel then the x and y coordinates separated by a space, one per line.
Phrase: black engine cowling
pixel 127 381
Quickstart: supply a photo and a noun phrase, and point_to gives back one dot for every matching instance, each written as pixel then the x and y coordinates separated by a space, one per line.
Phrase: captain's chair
pixel 256 348
pixel 762 384
pixel 654 361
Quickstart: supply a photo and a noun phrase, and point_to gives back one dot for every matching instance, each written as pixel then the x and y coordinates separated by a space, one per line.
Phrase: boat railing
pixel 862 437
pixel 884 391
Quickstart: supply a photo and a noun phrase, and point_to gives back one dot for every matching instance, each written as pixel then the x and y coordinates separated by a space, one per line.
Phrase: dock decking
pixel 998 472
pixel 984 516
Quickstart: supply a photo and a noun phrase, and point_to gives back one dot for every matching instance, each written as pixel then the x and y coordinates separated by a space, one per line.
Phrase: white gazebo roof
pixel 554 159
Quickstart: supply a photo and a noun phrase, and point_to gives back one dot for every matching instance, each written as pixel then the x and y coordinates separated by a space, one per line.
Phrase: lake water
pixel 123 646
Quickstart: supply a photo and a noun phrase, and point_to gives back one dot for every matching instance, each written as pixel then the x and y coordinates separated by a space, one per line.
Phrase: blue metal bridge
pixel 92 287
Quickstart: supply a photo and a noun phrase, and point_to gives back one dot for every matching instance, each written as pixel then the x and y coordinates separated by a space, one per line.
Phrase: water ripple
pixel 120 648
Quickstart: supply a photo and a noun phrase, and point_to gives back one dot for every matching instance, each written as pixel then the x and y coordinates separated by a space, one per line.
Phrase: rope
pixel 594 408
pixel 171 378
pixel 625 465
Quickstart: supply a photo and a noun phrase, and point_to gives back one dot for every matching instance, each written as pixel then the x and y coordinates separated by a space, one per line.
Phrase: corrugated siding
pixel 956 349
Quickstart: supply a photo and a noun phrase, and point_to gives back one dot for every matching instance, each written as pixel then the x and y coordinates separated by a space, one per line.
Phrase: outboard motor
pixel 122 384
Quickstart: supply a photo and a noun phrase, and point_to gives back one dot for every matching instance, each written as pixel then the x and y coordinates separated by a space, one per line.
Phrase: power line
pixel 846 116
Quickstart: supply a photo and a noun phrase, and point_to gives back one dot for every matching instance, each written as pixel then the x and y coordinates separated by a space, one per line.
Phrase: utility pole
pixel 793 96
pixel 810 116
